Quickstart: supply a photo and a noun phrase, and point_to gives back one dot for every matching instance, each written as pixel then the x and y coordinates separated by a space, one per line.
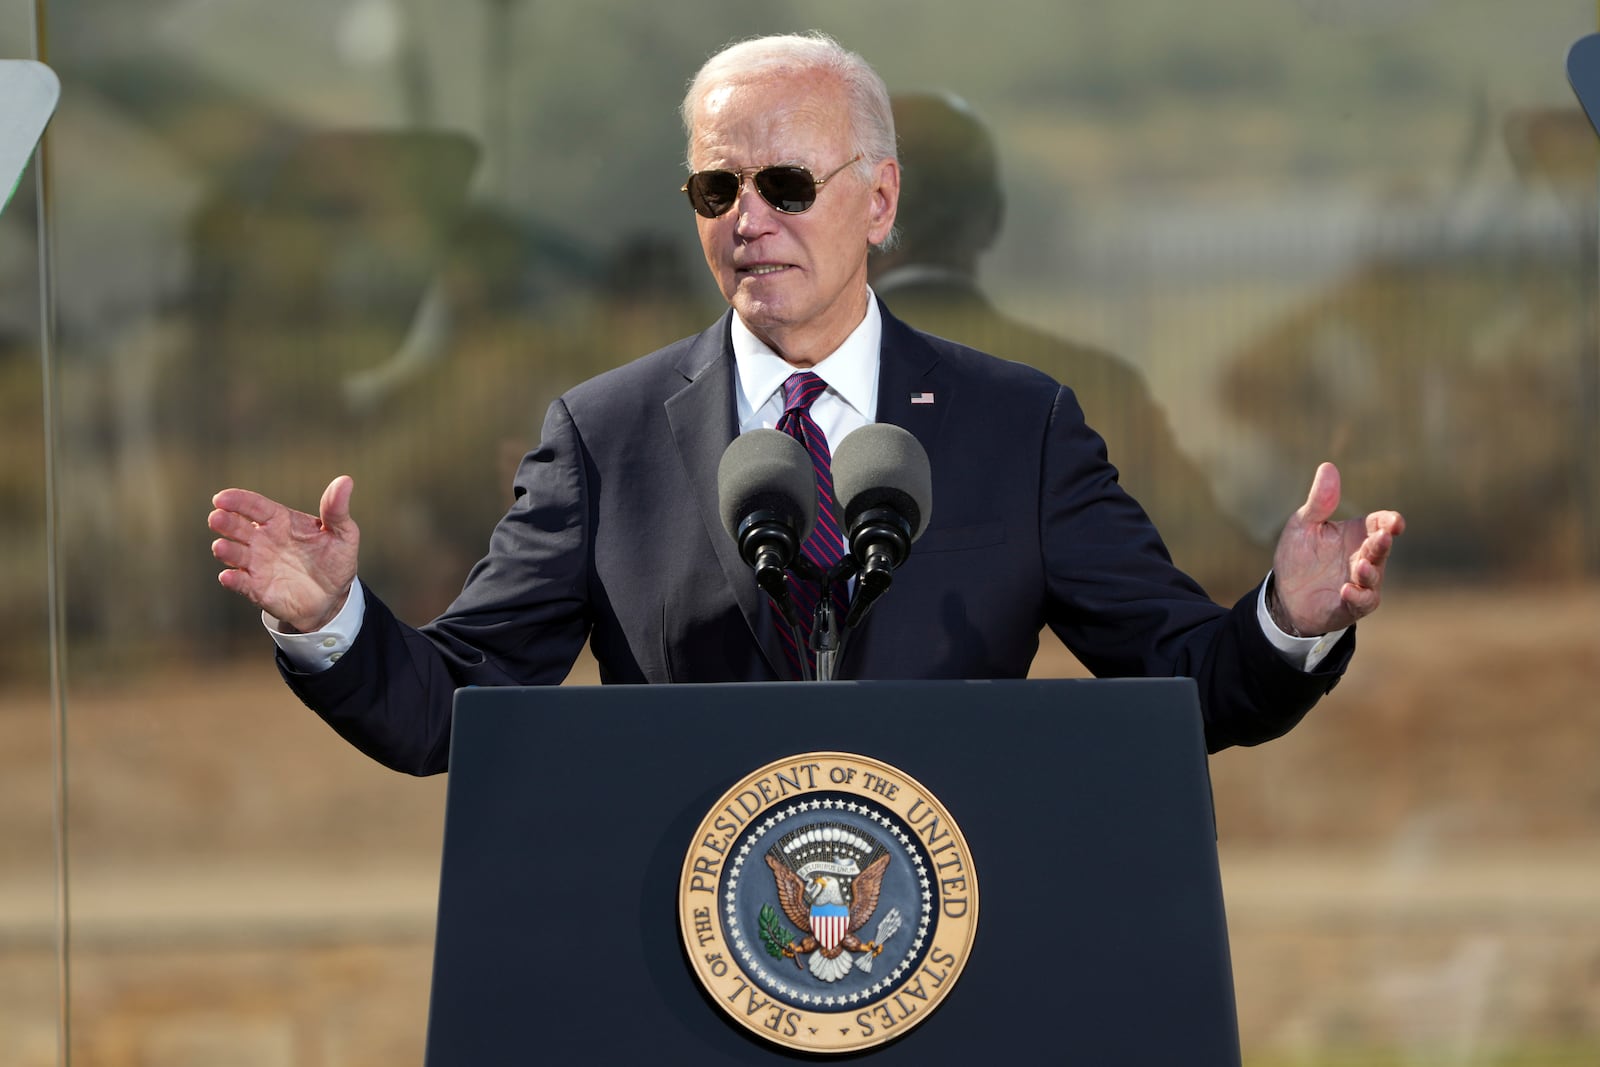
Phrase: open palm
pixel 1326 573
pixel 296 567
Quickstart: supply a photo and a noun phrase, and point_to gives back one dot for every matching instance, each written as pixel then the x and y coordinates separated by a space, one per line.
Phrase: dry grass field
pixel 1413 875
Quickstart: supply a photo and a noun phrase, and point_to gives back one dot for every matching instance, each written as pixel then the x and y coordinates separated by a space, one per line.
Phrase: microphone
pixel 881 473
pixel 767 498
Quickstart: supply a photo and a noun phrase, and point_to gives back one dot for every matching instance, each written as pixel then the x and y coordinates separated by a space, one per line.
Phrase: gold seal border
pixel 952 880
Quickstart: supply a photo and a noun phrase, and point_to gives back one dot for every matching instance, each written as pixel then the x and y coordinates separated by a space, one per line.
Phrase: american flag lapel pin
pixel 922 398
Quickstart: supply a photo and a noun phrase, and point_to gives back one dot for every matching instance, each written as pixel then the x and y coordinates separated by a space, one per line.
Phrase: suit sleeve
pixel 1117 601
pixel 521 619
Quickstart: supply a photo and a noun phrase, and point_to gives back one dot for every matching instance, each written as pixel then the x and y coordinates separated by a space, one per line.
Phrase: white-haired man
pixel 615 536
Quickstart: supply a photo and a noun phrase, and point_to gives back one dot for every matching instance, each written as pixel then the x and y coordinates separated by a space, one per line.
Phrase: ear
pixel 884 202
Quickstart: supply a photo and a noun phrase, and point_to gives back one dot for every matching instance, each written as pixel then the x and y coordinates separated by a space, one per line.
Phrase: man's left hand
pixel 1328 574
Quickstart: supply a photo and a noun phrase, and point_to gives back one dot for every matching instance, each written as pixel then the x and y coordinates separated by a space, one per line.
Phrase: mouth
pixel 762 269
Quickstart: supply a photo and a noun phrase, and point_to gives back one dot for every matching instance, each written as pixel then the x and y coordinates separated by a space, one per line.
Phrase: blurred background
pixel 295 239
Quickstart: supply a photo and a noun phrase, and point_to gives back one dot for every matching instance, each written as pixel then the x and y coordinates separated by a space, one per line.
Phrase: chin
pixel 758 314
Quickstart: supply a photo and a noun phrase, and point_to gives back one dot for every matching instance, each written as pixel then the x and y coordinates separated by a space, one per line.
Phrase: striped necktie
pixel 825 545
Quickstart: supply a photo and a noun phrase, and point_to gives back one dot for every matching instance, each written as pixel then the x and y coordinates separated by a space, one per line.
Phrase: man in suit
pixel 615 537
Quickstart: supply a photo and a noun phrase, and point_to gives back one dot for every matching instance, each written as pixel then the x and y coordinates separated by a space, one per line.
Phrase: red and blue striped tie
pixel 825 546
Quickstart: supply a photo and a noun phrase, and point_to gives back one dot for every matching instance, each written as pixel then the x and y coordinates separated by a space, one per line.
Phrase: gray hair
pixel 871 118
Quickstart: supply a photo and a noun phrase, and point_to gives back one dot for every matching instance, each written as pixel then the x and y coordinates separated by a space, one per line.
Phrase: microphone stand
pixel 829 633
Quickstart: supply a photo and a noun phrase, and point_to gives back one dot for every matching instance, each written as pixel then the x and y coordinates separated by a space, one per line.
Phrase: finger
pixel 1358 601
pixel 231 553
pixel 232 525
pixel 334 508
pixel 240 582
pixel 253 506
pixel 1391 522
pixel 1374 548
pixel 1366 574
pixel 1323 499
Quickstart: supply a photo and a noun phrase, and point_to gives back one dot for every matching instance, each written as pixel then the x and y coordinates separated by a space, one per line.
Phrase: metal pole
pixel 55 602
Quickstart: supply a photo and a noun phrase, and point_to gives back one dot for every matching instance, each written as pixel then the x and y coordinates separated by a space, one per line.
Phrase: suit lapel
pixel 703 420
pixel 908 368
pixel 911 392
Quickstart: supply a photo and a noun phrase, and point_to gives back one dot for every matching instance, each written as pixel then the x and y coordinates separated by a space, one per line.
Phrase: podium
pixel 1085 805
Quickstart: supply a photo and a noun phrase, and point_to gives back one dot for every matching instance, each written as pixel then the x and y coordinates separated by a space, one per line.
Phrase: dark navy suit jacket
pixel 615 537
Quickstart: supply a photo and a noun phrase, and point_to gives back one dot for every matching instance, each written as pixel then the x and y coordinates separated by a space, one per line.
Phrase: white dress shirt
pixel 851 372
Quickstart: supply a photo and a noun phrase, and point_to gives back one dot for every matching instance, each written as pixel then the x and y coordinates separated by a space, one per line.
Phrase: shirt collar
pixel 851 370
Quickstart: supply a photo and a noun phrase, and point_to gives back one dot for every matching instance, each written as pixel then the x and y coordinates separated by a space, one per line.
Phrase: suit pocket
pixel 958 538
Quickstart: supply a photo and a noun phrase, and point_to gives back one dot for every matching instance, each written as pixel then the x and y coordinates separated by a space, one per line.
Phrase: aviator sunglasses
pixel 791 190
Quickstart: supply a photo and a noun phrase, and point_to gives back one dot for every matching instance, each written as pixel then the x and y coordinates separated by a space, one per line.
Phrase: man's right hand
pixel 298 568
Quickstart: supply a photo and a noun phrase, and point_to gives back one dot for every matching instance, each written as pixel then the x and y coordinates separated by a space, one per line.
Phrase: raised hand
pixel 296 567
pixel 1328 574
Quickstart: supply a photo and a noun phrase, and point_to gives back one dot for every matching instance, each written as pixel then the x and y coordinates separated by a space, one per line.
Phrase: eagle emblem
pixel 811 907
pixel 828 876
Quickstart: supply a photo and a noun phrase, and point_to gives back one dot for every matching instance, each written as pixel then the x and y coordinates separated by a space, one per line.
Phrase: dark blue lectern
pixel 1085 806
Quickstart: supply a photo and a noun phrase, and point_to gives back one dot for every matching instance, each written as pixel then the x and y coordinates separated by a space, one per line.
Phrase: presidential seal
pixel 828 902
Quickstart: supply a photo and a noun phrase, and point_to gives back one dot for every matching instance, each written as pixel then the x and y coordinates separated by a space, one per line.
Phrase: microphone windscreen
pixel 882 465
pixel 767 470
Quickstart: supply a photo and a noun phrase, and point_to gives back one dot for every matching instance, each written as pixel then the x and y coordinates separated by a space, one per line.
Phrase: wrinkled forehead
pixel 801 117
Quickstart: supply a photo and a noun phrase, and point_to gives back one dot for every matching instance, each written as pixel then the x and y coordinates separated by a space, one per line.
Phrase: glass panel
pixel 378 237
pixel 30 963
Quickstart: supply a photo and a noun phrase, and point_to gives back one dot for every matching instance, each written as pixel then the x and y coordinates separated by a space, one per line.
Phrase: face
pixel 798 281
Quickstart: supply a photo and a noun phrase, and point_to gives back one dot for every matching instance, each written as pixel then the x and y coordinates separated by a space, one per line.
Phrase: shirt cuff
pixel 1303 653
pixel 314 653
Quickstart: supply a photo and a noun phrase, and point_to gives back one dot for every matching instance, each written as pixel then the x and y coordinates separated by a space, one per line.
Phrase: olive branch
pixel 773 934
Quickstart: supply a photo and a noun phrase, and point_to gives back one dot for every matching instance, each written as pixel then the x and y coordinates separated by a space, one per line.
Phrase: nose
pixel 755 221
pixel 755 215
